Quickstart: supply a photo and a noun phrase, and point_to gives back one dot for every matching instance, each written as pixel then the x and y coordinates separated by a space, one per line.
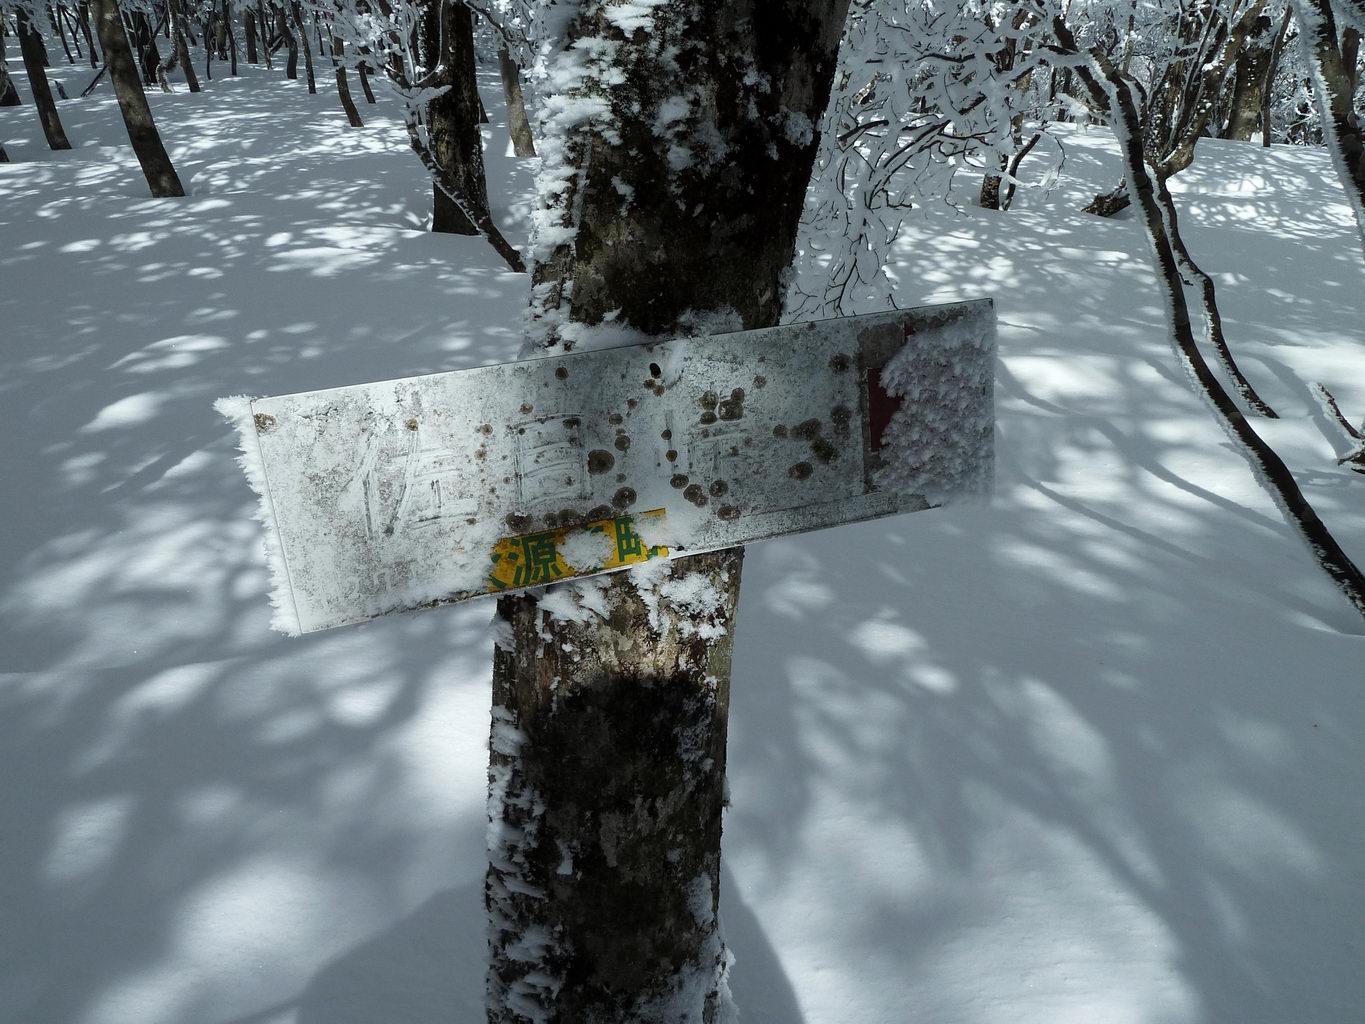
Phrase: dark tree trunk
pixel 83 19
pixel 518 124
pixel 344 87
pixel 1272 68
pixel 1333 86
pixel 231 38
pixel 175 12
pixel 56 23
pixel 31 49
pixel 307 49
pixel 9 95
pixel 608 744
pixel 70 23
pixel 249 20
pixel 453 117
pixel 149 57
pixel 132 101
pixel 1159 219
pixel 365 84
pixel 1248 85
pixel 291 67
pixel 264 22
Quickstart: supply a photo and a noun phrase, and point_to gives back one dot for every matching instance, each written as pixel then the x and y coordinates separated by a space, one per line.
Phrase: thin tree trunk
pixel 231 39
pixel 175 13
pixel 1268 89
pixel 518 124
pixel 291 67
pixel 365 84
pixel 132 101
pixel 302 37
pixel 453 117
pixel 61 32
pixel 1269 467
pixel 265 36
pixel 70 23
pixel 83 19
pixel 609 732
pixel 249 20
pixel 31 49
pixel 1332 86
pixel 343 87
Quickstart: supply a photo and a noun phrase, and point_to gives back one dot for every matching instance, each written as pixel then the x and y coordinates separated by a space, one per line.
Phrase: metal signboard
pixel 401 494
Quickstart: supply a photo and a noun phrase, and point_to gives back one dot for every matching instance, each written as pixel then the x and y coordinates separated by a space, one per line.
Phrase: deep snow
pixel 1093 754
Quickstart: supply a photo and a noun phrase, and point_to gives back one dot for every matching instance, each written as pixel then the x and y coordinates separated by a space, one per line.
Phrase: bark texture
pixel 132 101
pixel 343 86
pixel 608 743
pixel 453 117
pixel 35 63
pixel 518 124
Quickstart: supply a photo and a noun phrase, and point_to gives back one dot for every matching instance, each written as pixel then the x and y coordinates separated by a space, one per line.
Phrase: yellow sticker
pixel 535 559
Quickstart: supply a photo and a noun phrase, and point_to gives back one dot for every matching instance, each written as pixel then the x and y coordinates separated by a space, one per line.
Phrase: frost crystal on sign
pixel 939 440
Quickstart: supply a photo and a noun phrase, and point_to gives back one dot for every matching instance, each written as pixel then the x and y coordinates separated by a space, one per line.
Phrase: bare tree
pixel 132 101
pixel 35 66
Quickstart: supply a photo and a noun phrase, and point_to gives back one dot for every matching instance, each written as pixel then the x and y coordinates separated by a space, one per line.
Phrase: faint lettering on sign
pixel 408 484
pixel 550 464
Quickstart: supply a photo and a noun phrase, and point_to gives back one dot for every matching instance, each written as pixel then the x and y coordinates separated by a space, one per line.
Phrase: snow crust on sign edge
pixel 236 409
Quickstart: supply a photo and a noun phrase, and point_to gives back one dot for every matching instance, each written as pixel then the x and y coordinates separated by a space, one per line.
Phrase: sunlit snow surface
pixel 1095 754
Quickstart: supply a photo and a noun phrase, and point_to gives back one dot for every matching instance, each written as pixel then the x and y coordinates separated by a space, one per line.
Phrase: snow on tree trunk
pixel 132 101
pixel 453 117
pixel 677 142
pixel 518 124
pixel 35 62
pixel 1334 89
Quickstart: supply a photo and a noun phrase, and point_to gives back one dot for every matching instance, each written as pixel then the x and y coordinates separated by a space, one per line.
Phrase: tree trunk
pixel 264 22
pixel 1248 85
pixel 175 12
pixel 608 744
pixel 83 19
pixel 307 48
pixel 518 124
pixel 9 95
pixel 56 23
pixel 344 87
pixel 1272 68
pixel 249 20
pixel 1332 85
pixel 365 84
pixel 231 38
pixel 291 67
pixel 149 57
pixel 453 117
pixel 31 49
pixel 132 101
pixel 1158 217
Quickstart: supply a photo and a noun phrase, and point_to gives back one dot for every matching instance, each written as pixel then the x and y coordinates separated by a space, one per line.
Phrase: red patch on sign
pixel 881 406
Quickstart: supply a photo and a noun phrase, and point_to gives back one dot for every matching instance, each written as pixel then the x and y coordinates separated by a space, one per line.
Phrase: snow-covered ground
pixel 1093 754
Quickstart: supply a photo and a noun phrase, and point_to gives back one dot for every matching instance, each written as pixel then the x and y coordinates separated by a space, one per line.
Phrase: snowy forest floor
pixel 1095 753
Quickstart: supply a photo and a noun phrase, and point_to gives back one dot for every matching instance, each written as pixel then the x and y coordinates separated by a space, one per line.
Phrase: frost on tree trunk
pixel 1335 85
pixel 453 117
pixel 132 101
pixel 677 143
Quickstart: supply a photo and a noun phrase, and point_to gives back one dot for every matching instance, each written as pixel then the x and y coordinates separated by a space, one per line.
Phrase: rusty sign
pixel 401 494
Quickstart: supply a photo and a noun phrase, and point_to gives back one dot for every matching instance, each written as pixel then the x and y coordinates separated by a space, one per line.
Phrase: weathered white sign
pixel 401 494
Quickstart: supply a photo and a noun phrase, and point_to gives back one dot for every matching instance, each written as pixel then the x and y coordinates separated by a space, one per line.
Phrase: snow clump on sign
pixel 939 441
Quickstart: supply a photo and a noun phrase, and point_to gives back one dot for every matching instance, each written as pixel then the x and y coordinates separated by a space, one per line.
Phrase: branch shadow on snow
pixel 1095 749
